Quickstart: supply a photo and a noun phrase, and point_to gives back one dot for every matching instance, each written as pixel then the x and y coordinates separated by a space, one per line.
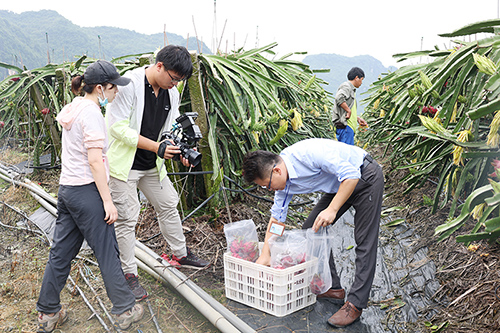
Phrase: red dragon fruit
pixel 317 284
pixel 286 260
pixel 244 250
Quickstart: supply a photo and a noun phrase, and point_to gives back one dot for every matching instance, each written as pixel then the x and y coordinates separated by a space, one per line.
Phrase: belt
pixel 367 160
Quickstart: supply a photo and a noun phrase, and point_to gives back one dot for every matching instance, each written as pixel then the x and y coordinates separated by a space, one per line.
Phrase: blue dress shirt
pixel 316 165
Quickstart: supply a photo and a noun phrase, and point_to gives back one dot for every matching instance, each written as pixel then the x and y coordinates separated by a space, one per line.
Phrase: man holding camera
pixel 140 113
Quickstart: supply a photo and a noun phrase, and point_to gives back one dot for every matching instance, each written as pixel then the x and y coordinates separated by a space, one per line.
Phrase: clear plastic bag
pixel 318 246
pixel 242 240
pixel 288 250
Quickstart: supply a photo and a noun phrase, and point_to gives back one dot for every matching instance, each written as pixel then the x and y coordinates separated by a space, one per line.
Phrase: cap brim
pixel 121 81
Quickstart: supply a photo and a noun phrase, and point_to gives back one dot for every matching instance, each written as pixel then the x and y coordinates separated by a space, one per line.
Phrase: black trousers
pixel 367 201
pixel 81 215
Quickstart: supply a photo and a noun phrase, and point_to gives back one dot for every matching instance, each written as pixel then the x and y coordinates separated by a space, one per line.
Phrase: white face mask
pixel 102 101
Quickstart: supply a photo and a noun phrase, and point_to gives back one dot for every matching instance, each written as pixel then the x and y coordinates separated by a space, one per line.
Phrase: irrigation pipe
pixel 218 315
pixel 51 209
pixel 9 175
pixel 205 309
pixel 215 312
pixel 156 276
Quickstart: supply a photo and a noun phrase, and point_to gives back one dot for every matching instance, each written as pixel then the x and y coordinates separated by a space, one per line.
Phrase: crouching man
pixel 347 176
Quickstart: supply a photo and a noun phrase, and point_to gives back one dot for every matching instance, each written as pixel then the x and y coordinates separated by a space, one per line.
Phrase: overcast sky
pixel 350 28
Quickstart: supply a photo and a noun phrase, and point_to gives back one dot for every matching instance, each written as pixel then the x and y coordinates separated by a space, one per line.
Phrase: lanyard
pixel 287 188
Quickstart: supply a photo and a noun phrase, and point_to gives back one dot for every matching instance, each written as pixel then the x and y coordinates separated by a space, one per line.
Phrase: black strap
pixel 161 149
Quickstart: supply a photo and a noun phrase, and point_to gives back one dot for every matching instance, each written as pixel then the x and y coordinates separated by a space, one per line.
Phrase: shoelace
pixel 348 309
pixel 133 281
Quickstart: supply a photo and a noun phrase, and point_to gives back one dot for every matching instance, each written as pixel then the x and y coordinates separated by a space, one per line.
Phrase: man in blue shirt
pixel 347 176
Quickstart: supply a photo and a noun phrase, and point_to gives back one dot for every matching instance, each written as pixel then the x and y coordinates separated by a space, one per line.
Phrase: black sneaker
pixel 133 282
pixel 191 260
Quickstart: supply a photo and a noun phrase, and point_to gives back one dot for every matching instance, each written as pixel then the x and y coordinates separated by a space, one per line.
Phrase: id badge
pixel 277 228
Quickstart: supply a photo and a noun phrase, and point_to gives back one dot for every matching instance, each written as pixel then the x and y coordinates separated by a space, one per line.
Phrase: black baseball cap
pixel 103 71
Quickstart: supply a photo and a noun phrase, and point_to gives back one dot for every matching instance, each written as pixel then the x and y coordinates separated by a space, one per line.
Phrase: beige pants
pixel 164 198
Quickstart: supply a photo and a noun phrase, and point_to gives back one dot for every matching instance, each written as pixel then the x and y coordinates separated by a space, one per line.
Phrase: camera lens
pixel 193 156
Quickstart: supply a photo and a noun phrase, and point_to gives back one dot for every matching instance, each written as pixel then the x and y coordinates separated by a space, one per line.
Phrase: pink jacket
pixel 83 128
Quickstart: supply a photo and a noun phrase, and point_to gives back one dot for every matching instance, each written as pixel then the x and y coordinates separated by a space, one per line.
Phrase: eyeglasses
pixel 270 178
pixel 174 80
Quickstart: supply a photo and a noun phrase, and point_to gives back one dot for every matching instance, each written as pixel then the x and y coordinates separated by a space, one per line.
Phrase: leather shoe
pixel 336 296
pixel 347 315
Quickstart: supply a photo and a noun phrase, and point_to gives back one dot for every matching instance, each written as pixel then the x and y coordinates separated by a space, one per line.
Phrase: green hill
pixel 30 39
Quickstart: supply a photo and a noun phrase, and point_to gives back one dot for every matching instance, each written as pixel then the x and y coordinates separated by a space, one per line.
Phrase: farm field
pixel 451 278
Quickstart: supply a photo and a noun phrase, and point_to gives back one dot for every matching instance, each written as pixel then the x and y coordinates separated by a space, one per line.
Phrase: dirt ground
pixel 468 300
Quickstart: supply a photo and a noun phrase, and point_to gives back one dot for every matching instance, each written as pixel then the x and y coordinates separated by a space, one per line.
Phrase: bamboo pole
pixel 85 299
pixel 101 304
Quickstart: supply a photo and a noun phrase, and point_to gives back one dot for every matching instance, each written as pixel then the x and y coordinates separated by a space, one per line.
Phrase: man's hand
pixel 264 259
pixel 346 109
pixel 324 219
pixel 362 122
pixel 185 161
pixel 327 216
pixel 168 150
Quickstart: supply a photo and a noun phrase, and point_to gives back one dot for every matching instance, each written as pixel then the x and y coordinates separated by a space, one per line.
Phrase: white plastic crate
pixel 275 291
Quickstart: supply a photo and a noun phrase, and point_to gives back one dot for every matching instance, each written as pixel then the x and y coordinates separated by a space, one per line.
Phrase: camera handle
pixel 162 148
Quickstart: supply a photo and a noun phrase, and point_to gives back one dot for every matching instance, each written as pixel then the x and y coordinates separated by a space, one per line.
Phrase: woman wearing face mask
pixel 85 208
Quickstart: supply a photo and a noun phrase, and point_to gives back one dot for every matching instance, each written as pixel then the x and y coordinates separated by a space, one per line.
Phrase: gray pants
pixel 81 216
pixel 367 201
pixel 164 198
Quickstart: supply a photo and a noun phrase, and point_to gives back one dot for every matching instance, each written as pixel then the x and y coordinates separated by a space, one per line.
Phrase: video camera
pixel 185 139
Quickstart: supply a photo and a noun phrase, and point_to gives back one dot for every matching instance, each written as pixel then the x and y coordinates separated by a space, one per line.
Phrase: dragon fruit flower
pixel 496 165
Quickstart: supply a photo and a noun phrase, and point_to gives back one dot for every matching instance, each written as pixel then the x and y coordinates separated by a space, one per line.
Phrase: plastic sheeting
pixel 26 167
pixel 47 222
pixel 403 272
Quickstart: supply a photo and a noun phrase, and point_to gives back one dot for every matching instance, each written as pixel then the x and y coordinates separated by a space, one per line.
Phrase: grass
pixel 23 256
